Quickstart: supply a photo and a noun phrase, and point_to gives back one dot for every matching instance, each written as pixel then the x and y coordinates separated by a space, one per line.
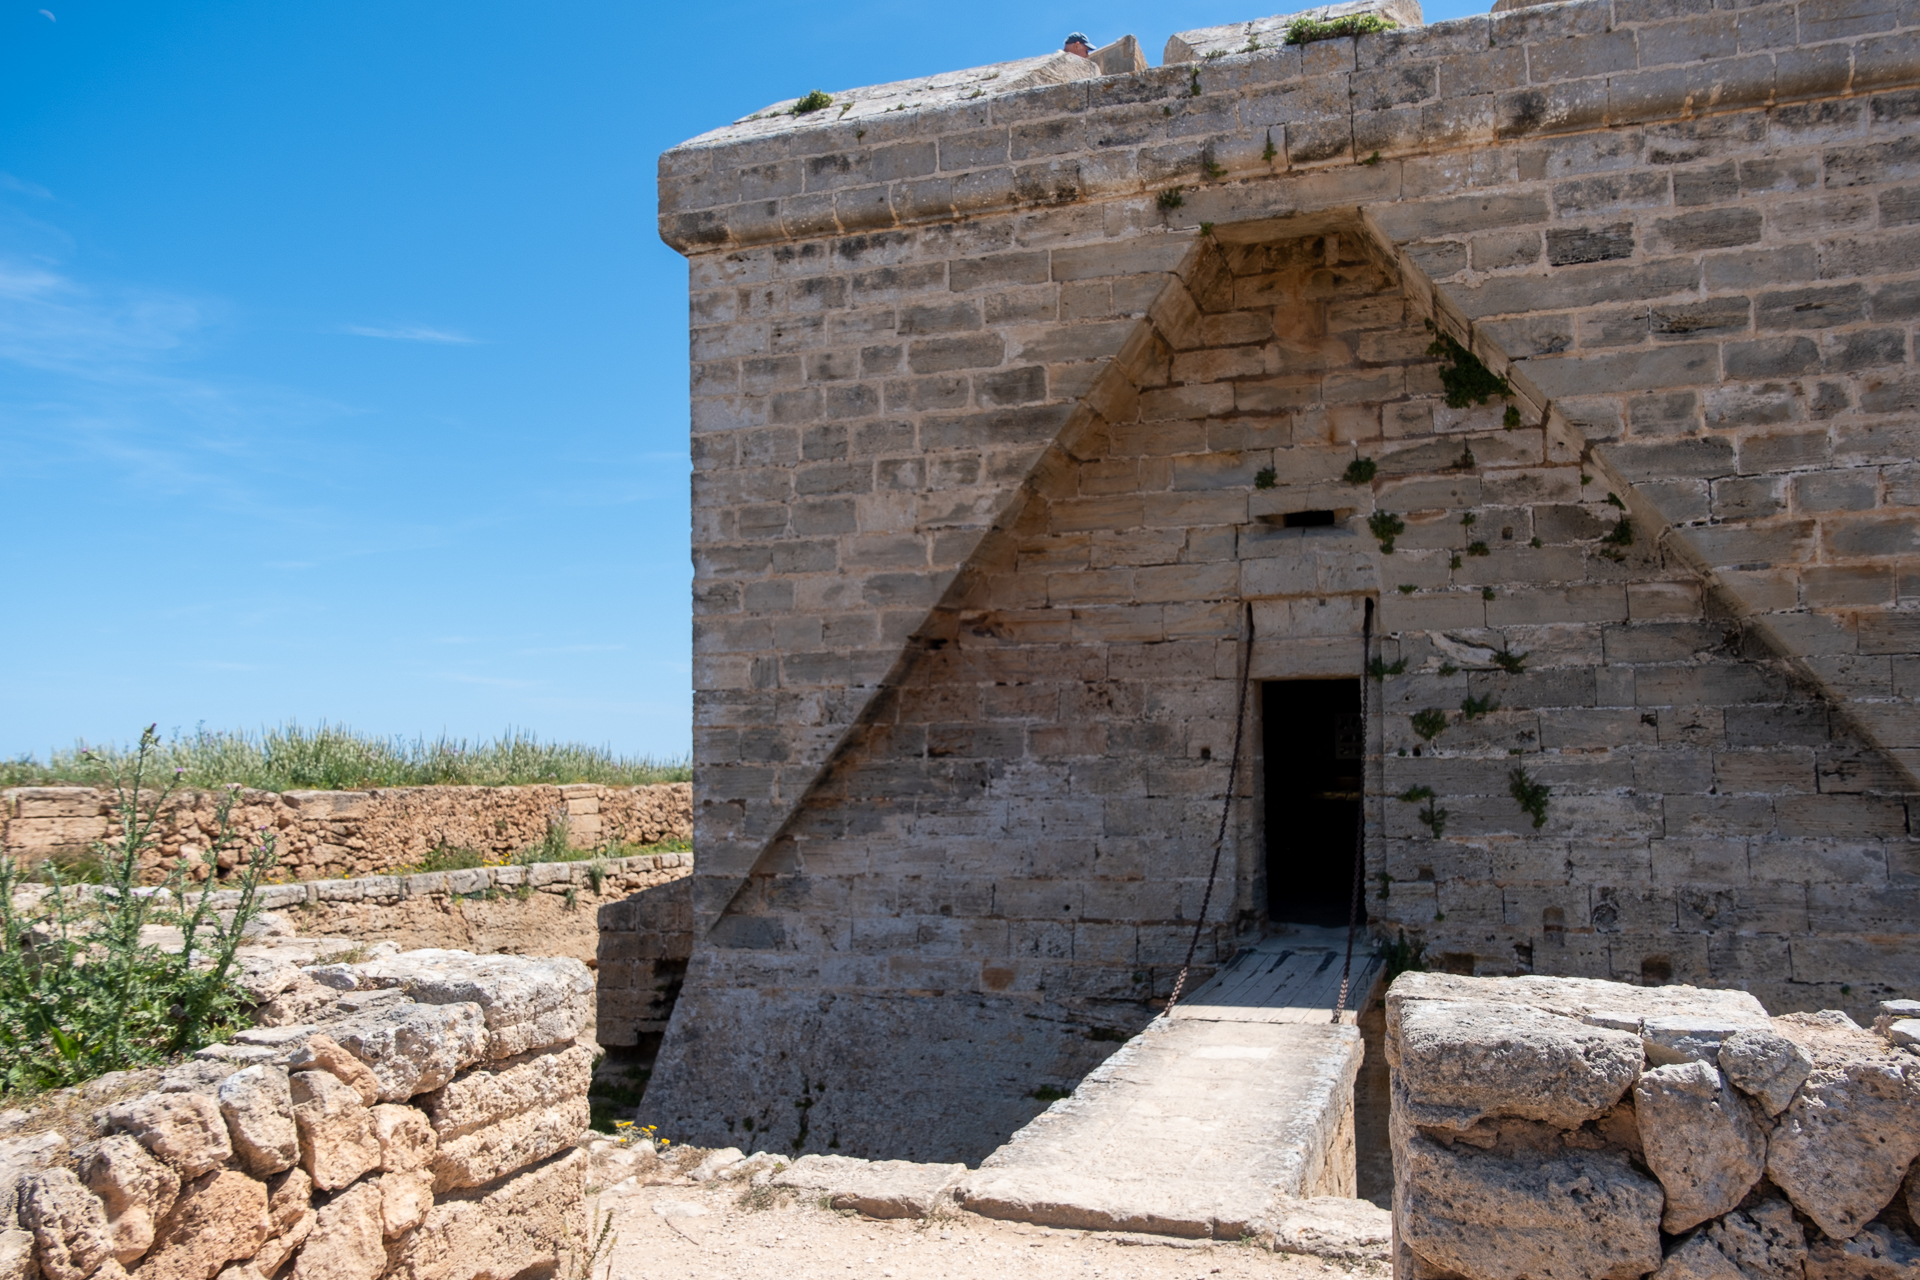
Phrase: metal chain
pixel 1360 818
pixel 1226 811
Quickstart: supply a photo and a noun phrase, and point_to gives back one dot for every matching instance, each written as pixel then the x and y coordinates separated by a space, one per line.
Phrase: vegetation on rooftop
pixel 336 758
pixel 1308 30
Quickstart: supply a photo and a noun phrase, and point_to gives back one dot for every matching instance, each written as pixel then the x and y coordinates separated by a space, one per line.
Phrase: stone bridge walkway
pixel 1205 1123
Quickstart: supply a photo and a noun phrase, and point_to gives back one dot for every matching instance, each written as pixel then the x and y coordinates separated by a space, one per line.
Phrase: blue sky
pixel 342 373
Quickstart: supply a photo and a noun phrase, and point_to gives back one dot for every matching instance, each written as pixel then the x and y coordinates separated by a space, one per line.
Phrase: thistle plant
pixel 81 993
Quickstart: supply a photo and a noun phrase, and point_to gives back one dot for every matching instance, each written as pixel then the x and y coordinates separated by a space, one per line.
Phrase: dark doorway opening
pixel 1315 744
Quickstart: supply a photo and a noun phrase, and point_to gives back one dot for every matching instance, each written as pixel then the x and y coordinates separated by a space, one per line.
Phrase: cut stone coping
pixel 388 888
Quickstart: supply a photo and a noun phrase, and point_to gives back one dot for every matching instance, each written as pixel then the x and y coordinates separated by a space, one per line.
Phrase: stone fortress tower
pixel 1032 401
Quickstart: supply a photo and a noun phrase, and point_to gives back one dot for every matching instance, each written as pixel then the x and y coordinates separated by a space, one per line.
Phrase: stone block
pixel 135 1189
pixel 71 1238
pixel 347 1239
pixel 184 1129
pixel 413 1048
pixel 219 1218
pixel 337 1139
pixel 1699 1139
pixel 879 1188
pixel 498 1232
pixel 1462 1061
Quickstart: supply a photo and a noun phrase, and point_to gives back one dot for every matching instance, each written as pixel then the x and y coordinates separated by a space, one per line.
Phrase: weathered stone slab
pixel 1842 1148
pixel 69 1225
pixel 1763 1240
pixel 184 1129
pixel 257 1103
pixel 135 1189
pixel 495 1233
pixel 219 1218
pixel 337 1139
pixel 877 1188
pixel 1334 1227
pixel 1766 1065
pixel 1461 1061
pixel 414 1048
pixel 495 1090
pixel 476 1158
pixel 527 1003
pixel 19 1159
pixel 1700 1141
pixel 1579 1216
pixel 347 1240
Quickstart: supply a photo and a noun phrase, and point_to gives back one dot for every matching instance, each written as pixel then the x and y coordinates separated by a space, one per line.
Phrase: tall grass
pixel 335 758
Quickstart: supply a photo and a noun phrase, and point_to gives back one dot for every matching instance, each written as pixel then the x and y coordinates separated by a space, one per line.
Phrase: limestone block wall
pixel 422 1124
pixel 1583 1128
pixel 1000 405
pixel 346 833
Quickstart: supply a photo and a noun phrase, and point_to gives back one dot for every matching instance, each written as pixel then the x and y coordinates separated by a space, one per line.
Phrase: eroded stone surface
pixel 484 1154
pixel 1879 1252
pixel 347 1238
pixel 1675 1038
pixel 1700 1140
pixel 1695 1258
pixel 877 1188
pixel 69 1225
pixel 337 1139
pixel 1331 1227
pixel 219 1218
pixel 496 1090
pixel 406 1137
pixel 1842 1148
pixel 1764 1240
pixel 497 1232
pixel 20 1158
pixel 527 1003
pixel 16 1254
pixel 290 1216
pixel 184 1129
pixel 321 1053
pixel 135 1189
pixel 257 1103
pixel 1580 1216
pixel 1766 1065
pixel 1463 1060
pixel 413 1048
pixel 405 1199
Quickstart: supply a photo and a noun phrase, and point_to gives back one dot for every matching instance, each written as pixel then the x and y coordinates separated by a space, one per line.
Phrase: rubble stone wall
pixel 1586 1129
pixel 420 1120
pixel 347 833
pixel 1001 401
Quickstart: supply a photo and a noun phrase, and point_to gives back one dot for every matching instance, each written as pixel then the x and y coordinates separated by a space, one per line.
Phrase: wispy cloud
pixel 10 183
pixel 409 333
pixel 49 321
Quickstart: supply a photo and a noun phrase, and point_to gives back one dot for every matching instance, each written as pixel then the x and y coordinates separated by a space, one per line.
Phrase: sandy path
pixel 710 1234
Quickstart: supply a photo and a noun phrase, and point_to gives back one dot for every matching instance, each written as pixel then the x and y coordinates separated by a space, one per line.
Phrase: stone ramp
pixel 1207 1123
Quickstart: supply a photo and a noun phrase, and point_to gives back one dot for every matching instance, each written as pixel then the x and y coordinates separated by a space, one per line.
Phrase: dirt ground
pixel 722 1233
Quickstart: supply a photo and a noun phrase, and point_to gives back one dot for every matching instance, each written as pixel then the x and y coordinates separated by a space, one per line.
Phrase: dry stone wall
pixel 1590 1129
pixel 354 833
pixel 1001 400
pixel 419 1120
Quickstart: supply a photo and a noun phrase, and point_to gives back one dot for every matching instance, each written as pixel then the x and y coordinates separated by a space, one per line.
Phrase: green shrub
pixel 80 993
pixel 1308 30
pixel 334 758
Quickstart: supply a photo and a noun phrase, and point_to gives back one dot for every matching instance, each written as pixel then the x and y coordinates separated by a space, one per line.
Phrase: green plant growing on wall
pixel 1193 85
pixel 1386 526
pixel 1433 815
pixel 1473 708
pixel 1371 160
pixel 1510 662
pixel 1379 669
pixel 1309 30
pixel 1265 478
pixel 1613 500
pixel 1400 956
pixel 1511 418
pixel 1360 471
pixel 815 101
pixel 1269 151
pixel 1170 199
pixel 80 993
pixel 1464 377
pixel 1386 884
pixel 1529 795
pixel 1429 723
pixel 1447 669
pixel 1478 549
pixel 1211 170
